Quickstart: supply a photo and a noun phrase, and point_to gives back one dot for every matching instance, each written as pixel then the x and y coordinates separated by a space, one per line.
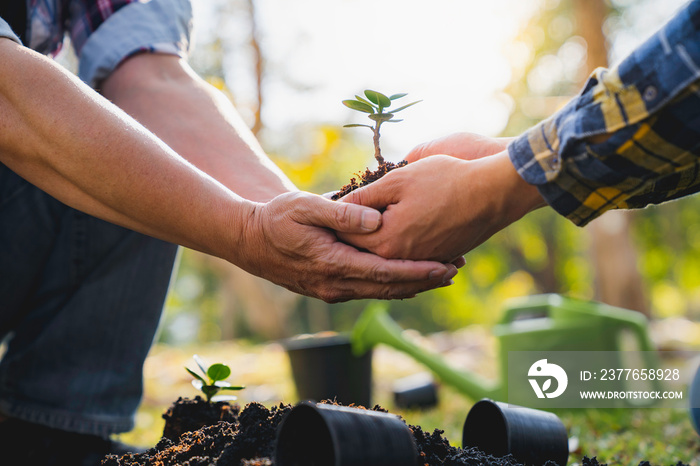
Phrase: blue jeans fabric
pixel 80 300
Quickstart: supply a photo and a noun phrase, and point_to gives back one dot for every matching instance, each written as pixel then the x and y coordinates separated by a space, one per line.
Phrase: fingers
pixel 460 262
pixel 361 265
pixel 344 217
pixel 358 275
pixel 359 289
pixel 379 194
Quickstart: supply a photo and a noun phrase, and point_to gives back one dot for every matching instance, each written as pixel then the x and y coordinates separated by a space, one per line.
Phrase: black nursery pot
pixel 324 368
pixel 329 435
pixel 416 391
pixel 532 436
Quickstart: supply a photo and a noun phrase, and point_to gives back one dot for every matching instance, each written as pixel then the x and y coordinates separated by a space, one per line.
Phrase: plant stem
pixel 377 150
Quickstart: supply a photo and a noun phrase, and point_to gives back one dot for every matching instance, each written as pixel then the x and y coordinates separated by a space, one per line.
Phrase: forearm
pixel 630 137
pixel 76 146
pixel 197 121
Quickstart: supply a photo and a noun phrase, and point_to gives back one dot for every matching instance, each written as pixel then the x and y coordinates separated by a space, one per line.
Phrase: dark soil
pixel 186 415
pixel 368 177
pixel 247 438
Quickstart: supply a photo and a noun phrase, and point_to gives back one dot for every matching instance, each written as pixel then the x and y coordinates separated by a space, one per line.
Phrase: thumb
pixel 417 153
pixel 339 216
pixel 379 195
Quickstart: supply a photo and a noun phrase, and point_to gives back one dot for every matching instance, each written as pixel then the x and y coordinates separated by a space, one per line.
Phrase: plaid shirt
pixel 649 105
pixel 49 20
pixel 105 32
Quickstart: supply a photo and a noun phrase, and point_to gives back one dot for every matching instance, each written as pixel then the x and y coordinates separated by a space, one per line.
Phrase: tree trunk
pixel 618 281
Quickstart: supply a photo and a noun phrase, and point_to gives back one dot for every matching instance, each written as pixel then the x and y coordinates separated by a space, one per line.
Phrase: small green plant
pixel 377 106
pixel 213 381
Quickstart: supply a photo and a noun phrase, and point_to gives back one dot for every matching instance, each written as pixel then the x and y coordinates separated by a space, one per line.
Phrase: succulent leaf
pixel 405 106
pixel 359 106
pixel 382 116
pixel 378 98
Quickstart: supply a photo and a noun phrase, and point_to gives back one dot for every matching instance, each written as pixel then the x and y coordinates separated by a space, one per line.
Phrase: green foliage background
pixel 540 254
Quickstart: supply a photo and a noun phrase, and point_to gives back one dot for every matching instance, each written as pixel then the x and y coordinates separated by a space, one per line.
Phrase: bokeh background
pixel 493 67
pixel 496 68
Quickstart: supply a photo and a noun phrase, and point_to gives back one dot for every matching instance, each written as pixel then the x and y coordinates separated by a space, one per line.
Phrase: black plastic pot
pixel 417 391
pixel 328 435
pixel 324 368
pixel 532 436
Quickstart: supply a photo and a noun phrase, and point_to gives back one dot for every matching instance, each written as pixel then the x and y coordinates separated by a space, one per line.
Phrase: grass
pixel 615 436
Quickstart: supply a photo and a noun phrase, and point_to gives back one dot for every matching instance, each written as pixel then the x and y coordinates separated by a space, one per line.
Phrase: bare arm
pixel 197 121
pixel 65 139
pixel 69 141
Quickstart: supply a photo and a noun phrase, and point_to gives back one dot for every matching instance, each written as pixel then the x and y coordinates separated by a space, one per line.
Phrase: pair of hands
pixel 439 207
pixel 434 211
pixel 271 230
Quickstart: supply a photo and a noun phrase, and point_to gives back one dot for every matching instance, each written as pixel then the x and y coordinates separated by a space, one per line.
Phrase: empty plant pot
pixel 329 435
pixel 415 391
pixel 324 368
pixel 532 436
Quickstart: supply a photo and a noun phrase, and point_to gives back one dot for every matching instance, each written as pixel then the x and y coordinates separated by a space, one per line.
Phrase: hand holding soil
pixel 441 207
pixel 289 242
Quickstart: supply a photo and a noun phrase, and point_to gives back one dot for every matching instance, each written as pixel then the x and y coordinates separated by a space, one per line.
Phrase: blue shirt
pixel 105 32
pixel 649 105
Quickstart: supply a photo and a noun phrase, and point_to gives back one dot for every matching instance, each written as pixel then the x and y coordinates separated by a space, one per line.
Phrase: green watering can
pixel 538 323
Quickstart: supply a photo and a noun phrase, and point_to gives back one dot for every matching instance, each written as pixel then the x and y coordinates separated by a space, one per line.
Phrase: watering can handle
pixel 533 306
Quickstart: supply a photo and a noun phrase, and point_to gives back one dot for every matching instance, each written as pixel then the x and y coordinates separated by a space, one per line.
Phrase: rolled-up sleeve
pixel 162 26
pixel 6 31
pixel 648 106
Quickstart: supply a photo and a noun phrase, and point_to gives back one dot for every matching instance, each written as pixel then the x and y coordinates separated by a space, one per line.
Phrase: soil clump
pixel 368 177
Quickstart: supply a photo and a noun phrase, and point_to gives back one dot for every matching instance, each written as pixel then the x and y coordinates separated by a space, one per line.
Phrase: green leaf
pixel 355 125
pixel 194 374
pixel 393 121
pixel 359 106
pixel 397 96
pixel 364 101
pixel 218 372
pixel 382 116
pixel 405 106
pixel 378 98
pixel 233 387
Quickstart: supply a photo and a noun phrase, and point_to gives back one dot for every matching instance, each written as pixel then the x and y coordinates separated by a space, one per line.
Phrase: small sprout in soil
pixel 214 380
pixel 376 105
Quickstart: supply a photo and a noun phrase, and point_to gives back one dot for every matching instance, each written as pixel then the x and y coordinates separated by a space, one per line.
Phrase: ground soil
pixel 367 177
pixel 247 437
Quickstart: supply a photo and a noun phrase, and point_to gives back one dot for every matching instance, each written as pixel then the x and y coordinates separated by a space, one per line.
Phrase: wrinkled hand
pixel 441 207
pixel 465 146
pixel 290 241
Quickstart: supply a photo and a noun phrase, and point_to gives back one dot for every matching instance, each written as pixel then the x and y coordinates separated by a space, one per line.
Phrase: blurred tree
pixel 551 57
pixel 618 281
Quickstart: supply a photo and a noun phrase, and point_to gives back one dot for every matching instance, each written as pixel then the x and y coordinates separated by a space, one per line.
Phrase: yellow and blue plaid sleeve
pixel 649 105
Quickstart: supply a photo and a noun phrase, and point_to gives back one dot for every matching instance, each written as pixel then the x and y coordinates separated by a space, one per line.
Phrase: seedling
pixel 376 105
pixel 214 381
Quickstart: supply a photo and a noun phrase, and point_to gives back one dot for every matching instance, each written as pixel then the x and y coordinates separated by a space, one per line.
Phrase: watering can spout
pixel 375 326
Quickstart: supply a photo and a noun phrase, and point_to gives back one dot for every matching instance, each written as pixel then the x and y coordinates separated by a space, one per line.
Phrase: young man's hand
pixel 441 207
